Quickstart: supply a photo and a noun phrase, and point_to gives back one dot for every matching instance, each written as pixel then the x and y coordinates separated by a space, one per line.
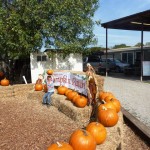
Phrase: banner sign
pixel 71 80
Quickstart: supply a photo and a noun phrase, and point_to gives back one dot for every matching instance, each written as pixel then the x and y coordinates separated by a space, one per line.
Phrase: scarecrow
pixel 92 88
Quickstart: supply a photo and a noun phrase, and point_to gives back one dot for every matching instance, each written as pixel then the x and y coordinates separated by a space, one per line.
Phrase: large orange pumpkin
pixel 103 95
pixel 107 105
pixel 75 97
pixel 108 98
pixel 108 117
pixel 116 103
pixel 81 101
pixel 4 82
pixel 82 140
pixel 98 131
pixel 38 87
pixel 67 91
pixel 71 94
pixel 61 90
pixel 49 72
pixel 60 146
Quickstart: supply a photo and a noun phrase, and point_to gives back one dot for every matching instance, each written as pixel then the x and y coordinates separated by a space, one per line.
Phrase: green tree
pixel 26 24
pixel 120 46
pixel 94 50
pixel 138 44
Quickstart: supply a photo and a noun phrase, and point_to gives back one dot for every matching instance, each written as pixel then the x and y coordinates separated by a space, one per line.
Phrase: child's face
pixel 49 78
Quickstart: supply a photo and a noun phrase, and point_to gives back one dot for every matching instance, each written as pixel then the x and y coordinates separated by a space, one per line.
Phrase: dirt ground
pixel 28 125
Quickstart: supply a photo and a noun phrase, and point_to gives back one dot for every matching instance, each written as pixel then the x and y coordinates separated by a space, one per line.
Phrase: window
pixel 38 58
pixel 138 56
pixel 130 58
pixel 42 58
pixel 124 57
pixel 127 57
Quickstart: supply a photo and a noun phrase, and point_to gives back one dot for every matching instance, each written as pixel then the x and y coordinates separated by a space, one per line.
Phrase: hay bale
pixel 22 89
pixel 6 91
pixel 35 95
pixel 80 115
pixel 114 136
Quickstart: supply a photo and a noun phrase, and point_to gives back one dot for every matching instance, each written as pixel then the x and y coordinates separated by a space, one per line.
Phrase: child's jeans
pixel 47 98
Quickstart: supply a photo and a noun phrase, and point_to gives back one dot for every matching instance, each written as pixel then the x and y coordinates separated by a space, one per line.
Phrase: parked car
pixel 98 63
pixel 102 65
pixel 118 64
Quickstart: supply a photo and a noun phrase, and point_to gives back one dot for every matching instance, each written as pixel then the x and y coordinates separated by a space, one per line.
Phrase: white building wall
pixel 56 62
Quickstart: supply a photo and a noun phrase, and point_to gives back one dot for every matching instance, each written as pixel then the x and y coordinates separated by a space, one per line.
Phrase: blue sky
pixel 114 9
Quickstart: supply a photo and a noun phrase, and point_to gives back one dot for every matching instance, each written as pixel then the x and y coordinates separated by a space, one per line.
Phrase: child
pixel 50 90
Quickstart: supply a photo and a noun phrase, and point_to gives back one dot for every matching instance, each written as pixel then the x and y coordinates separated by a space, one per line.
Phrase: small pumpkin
pixel 4 82
pixel 108 117
pixel 49 72
pixel 60 146
pixel 61 90
pixel 81 101
pixel 38 87
pixel 82 140
pixel 98 131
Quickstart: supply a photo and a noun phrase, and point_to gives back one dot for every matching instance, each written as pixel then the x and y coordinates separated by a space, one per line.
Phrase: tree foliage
pixel 120 46
pixel 138 44
pixel 64 24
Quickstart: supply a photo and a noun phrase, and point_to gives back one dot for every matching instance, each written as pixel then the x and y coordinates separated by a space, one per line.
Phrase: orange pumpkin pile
pixel 108 111
pixel 73 96
pixel 95 133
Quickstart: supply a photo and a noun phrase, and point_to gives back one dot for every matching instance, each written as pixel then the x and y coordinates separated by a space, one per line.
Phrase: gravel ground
pixel 133 95
pixel 28 125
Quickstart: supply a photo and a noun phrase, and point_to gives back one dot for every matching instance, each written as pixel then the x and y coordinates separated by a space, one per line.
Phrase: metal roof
pixel 132 22
pixel 127 49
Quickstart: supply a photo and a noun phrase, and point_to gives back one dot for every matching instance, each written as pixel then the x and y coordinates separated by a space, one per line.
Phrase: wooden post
pixel 106 50
pixel 142 55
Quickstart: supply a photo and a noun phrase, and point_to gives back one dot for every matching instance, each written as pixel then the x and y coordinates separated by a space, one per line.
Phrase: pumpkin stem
pixel 96 123
pixel 59 145
pixel 104 108
pixel 111 99
pixel 103 101
pixel 84 132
